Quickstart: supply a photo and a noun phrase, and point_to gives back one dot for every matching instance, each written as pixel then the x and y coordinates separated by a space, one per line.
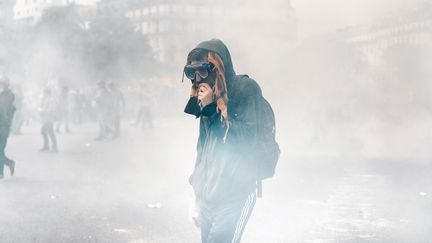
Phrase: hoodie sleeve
pixel 200 142
pixel 243 129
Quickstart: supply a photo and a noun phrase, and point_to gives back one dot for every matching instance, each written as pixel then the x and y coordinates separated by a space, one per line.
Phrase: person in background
pixel 103 103
pixel 47 111
pixel 63 110
pixel 7 111
pixel 77 106
pixel 119 107
pixel 144 117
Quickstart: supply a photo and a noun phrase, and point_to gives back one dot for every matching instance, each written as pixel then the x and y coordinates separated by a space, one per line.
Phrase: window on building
pixel 153 28
pixel 203 11
pixel 145 28
pixel 153 10
pixel 137 13
pixel 190 10
pixel 145 11
pixel 137 28
pixel 162 27
pixel 174 9
pixel 157 42
pixel 163 9
pixel 169 9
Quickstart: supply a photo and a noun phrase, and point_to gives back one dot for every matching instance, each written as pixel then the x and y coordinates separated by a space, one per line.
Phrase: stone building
pixel 6 11
pixel 29 11
pixel 412 28
pixel 173 27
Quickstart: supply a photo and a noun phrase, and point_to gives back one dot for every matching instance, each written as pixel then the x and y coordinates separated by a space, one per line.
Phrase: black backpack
pixel 267 154
pixel 267 149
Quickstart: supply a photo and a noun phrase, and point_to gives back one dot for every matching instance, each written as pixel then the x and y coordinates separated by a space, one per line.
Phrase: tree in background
pixel 115 50
pixel 78 47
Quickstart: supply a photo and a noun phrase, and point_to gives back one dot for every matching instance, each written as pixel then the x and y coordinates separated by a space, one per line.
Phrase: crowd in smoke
pixel 60 109
pixel 71 66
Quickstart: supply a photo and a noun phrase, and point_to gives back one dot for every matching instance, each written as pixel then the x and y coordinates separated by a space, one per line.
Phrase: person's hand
pixel 205 94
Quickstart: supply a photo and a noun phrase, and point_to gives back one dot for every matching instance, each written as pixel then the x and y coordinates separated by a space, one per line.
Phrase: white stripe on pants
pixel 243 217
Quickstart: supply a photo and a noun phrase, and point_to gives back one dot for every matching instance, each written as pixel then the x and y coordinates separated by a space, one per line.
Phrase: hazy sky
pixel 316 16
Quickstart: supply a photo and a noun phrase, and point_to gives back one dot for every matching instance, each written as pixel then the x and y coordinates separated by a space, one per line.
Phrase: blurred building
pixel 6 11
pixel 6 18
pixel 411 28
pixel 29 11
pixel 113 6
pixel 169 23
pixel 174 26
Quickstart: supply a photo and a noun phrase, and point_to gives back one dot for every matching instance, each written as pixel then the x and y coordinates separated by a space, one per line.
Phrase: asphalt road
pixel 135 189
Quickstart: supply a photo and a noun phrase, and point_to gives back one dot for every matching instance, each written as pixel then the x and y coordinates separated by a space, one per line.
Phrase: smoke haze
pixel 349 82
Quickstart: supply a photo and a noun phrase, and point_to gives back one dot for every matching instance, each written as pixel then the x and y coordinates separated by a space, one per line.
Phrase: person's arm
pixel 243 125
pixel 200 143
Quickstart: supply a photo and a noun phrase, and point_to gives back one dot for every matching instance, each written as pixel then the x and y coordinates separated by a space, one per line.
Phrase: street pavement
pixel 135 190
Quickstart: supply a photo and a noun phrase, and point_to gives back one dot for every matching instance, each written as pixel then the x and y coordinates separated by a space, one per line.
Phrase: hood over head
pixel 217 46
pixel 224 78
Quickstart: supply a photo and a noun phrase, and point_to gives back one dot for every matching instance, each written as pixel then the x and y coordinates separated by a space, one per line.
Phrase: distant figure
pixel 104 107
pixel 118 107
pixel 7 110
pixel 47 110
pixel 143 117
pixel 63 110
pixel 77 106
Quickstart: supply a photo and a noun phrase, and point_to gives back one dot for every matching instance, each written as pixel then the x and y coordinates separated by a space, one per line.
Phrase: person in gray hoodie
pixel 225 174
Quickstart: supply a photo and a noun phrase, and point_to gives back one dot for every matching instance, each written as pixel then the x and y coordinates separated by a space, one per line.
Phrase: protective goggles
pixel 201 69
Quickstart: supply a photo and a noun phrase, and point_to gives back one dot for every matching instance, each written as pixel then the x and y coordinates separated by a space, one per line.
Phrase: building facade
pixel 413 28
pixel 29 11
pixel 6 11
pixel 173 27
